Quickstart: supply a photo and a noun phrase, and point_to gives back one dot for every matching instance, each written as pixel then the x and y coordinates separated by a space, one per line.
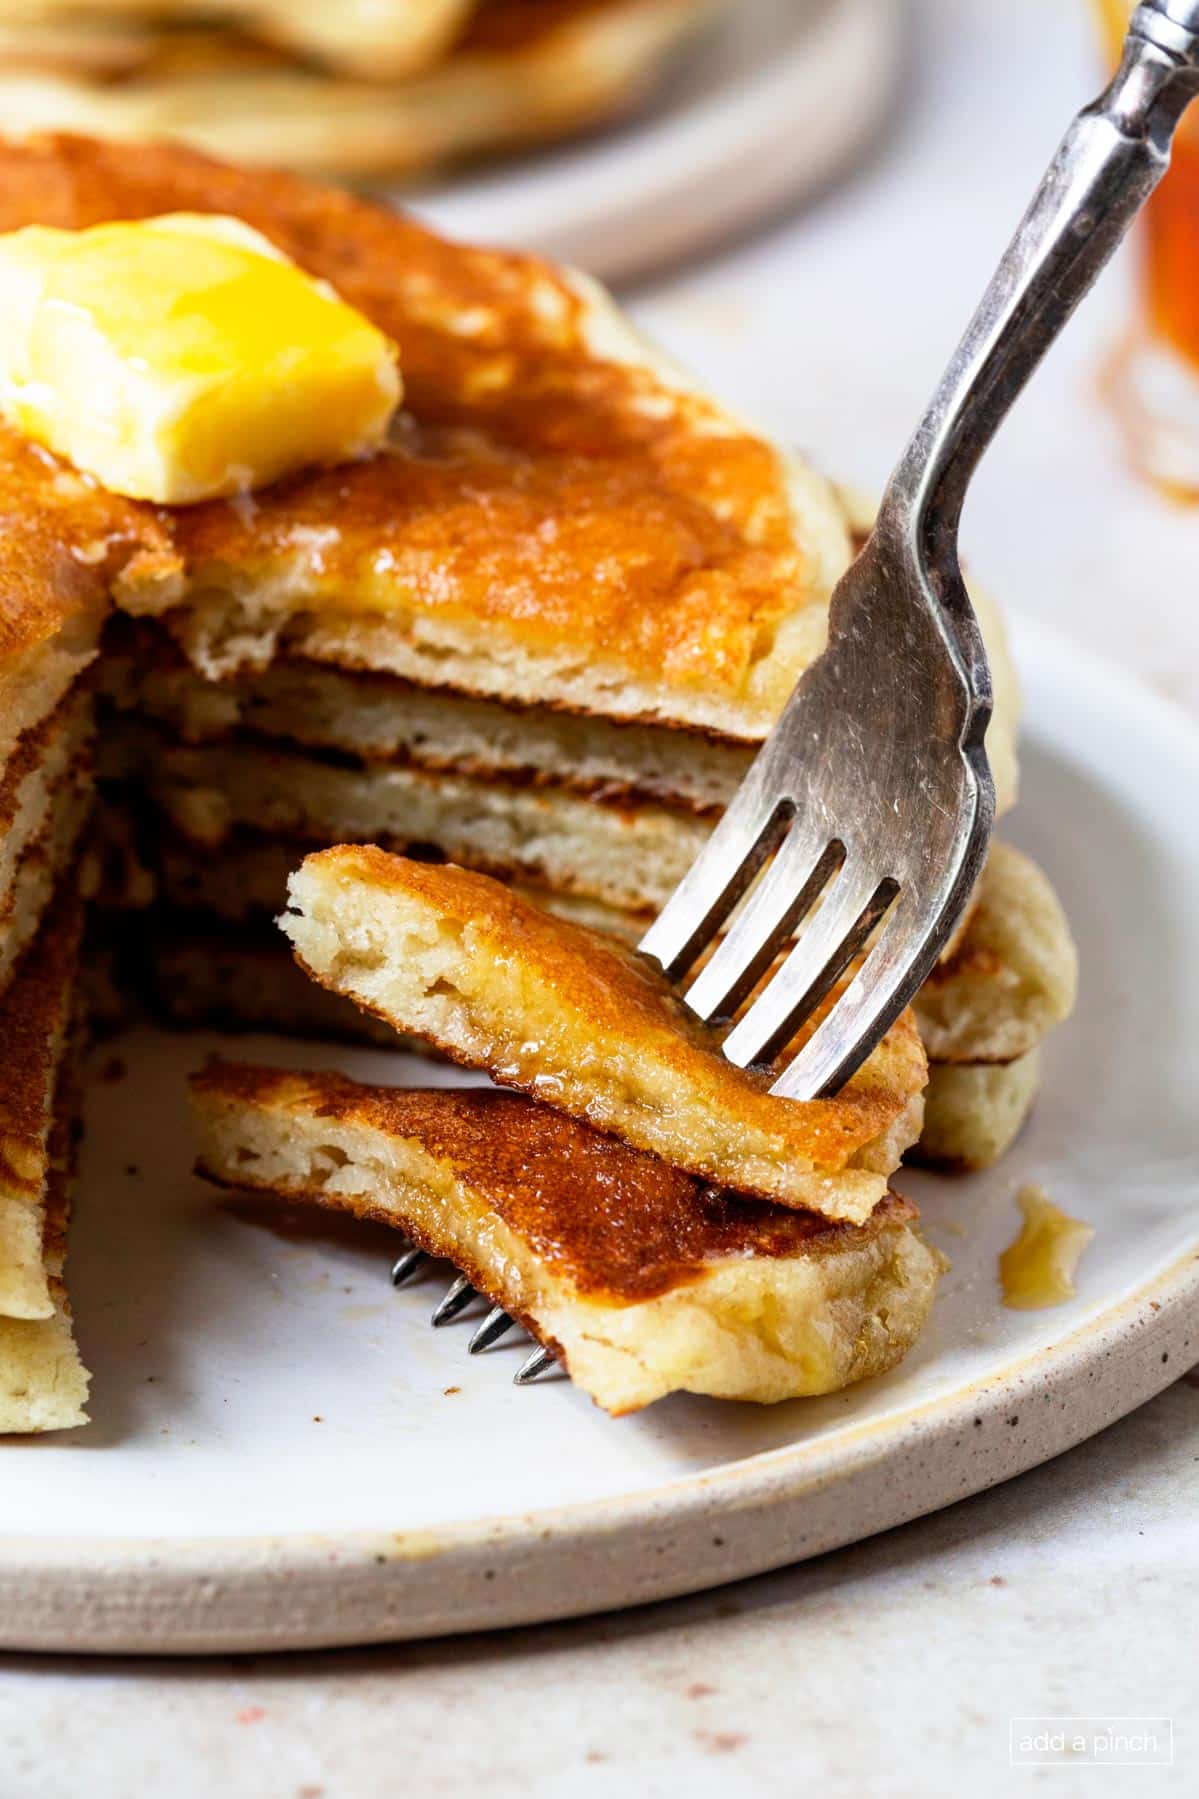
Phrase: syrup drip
pixel 1038 1269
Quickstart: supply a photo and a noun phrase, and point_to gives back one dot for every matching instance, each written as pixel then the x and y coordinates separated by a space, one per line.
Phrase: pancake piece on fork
pixel 643 1280
pixel 593 1029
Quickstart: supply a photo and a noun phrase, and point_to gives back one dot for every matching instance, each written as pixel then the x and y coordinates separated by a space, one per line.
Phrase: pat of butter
pixel 180 357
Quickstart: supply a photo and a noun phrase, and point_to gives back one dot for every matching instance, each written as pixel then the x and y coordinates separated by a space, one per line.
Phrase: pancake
pixel 195 977
pixel 202 972
pixel 35 1030
pixel 1013 975
pixel 642 1280
pixel 986 1009
pixel 43 863
pixel 245 881
pixel 590 1027
pixel 61 539
pixel 526 72
pixel 37 770
pixel 623 857
pixel 974 1111
pixel 560 519
pixel 376 718
pixel 377 39
pixel 43 1383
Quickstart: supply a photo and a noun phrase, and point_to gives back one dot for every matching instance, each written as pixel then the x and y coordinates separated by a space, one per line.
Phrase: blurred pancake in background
pixel 378 39
pixel 360 91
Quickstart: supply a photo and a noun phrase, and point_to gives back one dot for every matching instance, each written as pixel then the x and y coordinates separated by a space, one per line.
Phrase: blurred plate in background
pixel 781 98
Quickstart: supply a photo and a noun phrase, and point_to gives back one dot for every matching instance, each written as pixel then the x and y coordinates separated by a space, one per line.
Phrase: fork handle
pixel 1106 166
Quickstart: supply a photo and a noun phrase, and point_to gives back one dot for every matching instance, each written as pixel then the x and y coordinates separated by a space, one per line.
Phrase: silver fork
pixel 868 809
pixel 873 793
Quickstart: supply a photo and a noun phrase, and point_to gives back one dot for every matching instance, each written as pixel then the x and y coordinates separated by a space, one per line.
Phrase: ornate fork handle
pixel 1106 166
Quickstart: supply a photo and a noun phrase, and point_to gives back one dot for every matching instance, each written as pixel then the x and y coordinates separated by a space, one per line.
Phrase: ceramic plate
pixel 283 1453
pixel 781 97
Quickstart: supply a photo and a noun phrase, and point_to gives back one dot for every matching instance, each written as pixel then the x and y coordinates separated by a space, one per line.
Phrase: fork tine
pixel 752 826
pixel 407 1265
pixel 786 894
pixel 538 1363
pixel 879 991
pixel 852 907
pixel 497 1324
pixel 455 1299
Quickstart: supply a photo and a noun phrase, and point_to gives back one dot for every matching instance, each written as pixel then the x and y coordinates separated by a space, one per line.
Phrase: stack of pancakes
pixel 55 564
pixel 363 89
pixel 541 636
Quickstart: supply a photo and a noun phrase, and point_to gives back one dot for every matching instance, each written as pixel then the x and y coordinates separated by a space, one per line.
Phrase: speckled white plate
pixel 284 1454
pixel 778 100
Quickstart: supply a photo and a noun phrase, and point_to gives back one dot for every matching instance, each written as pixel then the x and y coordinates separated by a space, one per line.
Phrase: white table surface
pixel 892 1668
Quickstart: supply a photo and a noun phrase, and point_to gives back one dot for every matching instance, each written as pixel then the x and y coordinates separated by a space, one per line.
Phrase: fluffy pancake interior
pixel 624 856
pixel 974 1110
pixel 35 1021
pixel 1013 974
pixel 380 719
pixel 591 1028
pixel 640 1279
pixel 43 1383
pixel 36 772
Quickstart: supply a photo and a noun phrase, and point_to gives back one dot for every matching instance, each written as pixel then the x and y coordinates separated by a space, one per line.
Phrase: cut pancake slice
pixel 377 718
pixel 35 1038
pixel 590 1027
pixel 643 1280
pixel 43 1382
pixel 625 857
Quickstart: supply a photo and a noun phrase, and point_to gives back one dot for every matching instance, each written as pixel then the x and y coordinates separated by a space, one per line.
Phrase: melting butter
pixel 1038 1269
pixel 181 357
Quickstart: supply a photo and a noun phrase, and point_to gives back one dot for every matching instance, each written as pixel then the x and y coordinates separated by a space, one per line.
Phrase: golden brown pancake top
pixel 609 1219
pixel 535 486
pixel 62 539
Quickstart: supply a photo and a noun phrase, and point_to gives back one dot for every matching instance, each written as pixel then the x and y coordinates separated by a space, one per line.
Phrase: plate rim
pixel 310 1590
pixel 700 1530
pixel 750 139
